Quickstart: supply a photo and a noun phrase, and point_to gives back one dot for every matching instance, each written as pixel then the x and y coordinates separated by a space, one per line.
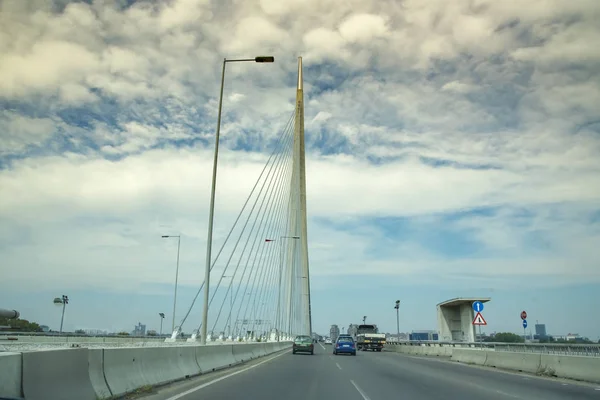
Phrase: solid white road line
pixel 363 394
pixel 195 389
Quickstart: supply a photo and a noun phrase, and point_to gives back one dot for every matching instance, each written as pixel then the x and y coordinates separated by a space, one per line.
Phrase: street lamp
pixel 397 307
pixel 261 59
pixel 176 275
pixel 162 316
pixel 64 300
pixel 364 320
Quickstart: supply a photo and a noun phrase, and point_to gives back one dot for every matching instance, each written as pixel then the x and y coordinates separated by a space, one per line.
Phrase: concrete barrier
pixel 242 353
pixel 127 369
pixel 123 370
pixel 581 368
pixel 213 358
pixel 96 372
pixel 468 356
pixel 571 367
pixel 10 375
pixel 82 374
pixel 525 362
pixel 57 374
pixel 258 350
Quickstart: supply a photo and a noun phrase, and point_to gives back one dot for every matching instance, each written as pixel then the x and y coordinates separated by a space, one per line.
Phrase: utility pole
pixel 397 307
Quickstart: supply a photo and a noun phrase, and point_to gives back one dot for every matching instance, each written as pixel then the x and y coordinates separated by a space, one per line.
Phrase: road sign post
pixel 477 306
pixel 524 330
pixel 479 320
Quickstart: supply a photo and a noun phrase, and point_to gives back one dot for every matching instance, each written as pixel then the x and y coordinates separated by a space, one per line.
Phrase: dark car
pixel 343 345
pixel 303 344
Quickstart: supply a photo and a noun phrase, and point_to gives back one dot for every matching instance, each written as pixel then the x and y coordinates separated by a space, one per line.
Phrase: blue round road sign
pixel 524 323
pixel 478 306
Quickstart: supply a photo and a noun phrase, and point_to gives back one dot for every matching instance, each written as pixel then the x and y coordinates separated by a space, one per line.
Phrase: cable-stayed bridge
pixel 256 299
pixel 259 283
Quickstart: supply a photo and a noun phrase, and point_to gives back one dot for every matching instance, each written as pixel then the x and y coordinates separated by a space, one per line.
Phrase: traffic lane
pixel 381 375
pixel 289 376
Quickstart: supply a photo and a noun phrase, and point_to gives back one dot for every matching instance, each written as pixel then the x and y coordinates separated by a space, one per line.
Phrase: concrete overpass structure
pixel 455 319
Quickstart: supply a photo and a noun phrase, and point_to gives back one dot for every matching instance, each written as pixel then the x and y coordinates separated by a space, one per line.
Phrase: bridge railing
pixel 575 349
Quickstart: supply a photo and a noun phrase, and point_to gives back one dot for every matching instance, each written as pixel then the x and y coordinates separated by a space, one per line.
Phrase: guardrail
pixel 71 334
pixel 586 350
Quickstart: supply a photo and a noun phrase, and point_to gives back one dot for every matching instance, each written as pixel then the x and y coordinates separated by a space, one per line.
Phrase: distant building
pixel 334 332
pixel 540 330
pixel 424 335
pixel 574 337
pixel 93 332
pixel 139 330
pixel 352 330
pixel 45 328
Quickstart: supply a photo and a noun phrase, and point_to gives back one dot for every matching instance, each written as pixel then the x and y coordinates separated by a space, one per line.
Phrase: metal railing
pixel 575 349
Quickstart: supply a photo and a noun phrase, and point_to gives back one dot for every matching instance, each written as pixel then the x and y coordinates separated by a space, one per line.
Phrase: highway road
pixel 369 376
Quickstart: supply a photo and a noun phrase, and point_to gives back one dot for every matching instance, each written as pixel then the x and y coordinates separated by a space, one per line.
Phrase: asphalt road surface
pixel 369 376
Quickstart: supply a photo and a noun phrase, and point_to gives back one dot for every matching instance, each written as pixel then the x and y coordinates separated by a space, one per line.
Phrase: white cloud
pixel 458 87
pixel 21 132
pixel 363 28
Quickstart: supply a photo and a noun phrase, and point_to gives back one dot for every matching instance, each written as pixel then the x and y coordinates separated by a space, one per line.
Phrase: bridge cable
pixel 248 263
pixel 278 163
pixel 278 145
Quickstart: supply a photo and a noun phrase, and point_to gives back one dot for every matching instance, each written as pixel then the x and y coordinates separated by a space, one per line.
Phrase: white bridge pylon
pixel 272 301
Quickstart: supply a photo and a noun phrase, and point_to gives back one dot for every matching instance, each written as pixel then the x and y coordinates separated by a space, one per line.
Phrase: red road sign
pixel 523 315
pixel 479 320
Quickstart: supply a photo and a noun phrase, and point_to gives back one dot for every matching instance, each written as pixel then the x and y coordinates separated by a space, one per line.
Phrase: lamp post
pixel 162 317
pixel 176 275
pixel 260 59
pixel 64 300
pixel 397 307
pixel 364 320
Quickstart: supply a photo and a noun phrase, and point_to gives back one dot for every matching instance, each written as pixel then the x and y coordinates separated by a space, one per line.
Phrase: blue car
pixel 344 345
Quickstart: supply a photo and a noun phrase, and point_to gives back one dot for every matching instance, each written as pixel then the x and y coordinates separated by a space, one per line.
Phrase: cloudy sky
pixel 452 150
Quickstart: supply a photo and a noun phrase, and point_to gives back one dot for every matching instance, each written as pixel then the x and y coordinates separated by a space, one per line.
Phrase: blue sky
pixel 452 150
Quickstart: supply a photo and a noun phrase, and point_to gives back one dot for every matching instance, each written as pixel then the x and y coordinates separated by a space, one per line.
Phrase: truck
pixel 369 338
